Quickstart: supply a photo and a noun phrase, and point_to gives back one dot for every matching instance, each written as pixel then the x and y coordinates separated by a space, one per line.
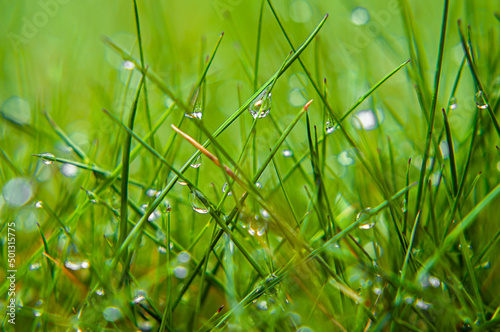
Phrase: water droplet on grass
pixel 287 153
pixel 182 183
pixel 224 188
pixel 366 120
pixel 453 103
pixel 162 250
pixel 258 185
pixel 345 159
pixel 100 292
pixel 112 314
pixel 480 101
pixel 422 305
pixel 45 158
pixel 69 170
pixel 367 225
pixel 138 299
pixel 35 266
pixel 261 105
pixel 409 299
pixel 180 272
pixel 196 204
pixel 404 206
pixel 17 192
pixel 37 313
pixel 39 205
pixel 183 257
pixel 330 127
pixel 153 192
pixel 435 282
pixel 264 213
pixel 197 115
pixel 129 65
pixel 262 305
pixel 197 162
pixel 360 16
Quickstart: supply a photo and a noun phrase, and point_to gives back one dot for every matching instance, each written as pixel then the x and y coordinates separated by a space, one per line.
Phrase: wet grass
pixel 146 196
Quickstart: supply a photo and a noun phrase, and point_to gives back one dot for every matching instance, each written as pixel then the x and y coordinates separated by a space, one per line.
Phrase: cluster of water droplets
pixel 258 225
pixel 75 265
pixel 153 216
pixel 261 105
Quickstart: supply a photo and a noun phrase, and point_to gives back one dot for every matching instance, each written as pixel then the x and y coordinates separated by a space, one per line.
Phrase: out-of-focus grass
pixel 330 224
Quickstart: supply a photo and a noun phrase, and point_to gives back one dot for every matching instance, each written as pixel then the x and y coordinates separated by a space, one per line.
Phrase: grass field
pixel 250 166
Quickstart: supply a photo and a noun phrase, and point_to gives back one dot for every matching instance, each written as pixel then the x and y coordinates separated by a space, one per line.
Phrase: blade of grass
pixel 432 110
pixel 122 232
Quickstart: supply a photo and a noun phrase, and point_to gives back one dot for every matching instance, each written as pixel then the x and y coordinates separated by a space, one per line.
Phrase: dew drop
pixel 367 225
pixel 196 204
pixel 17 192
pixel 366 211
pixel 366 120
pixel 409 299
pixel 262 305
pixel 153 192
pixel 435 282
pixel 162 250
pixel 422 305
pixel 92 197
pixel 264 213
pixel 404 206
pixel 75 266
pixel 112 314
pixel 258 185
pixel 182 183
pixel 453 103
pixel 183 257
pixel 197 162
pixel 224 188
pixel 100 291
pixel 345 159
pixel 360 16
pixel 251 231
pixel 180 272
pixel 480 101
pixel 197 115
pixel 140 296
pixel 370 223
pixel 69 170
pixel 129 65
pixel 46 158
pixel 37 313
pixel 261 105
pixel 287 153
pixel 35 266
pixel 39 205
pixel 261 231
pixel 330 127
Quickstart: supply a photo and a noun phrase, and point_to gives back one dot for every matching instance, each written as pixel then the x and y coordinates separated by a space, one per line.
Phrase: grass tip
pixel 306 106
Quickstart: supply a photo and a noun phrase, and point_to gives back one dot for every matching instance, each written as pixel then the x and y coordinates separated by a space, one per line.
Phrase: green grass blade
pixel 432 110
